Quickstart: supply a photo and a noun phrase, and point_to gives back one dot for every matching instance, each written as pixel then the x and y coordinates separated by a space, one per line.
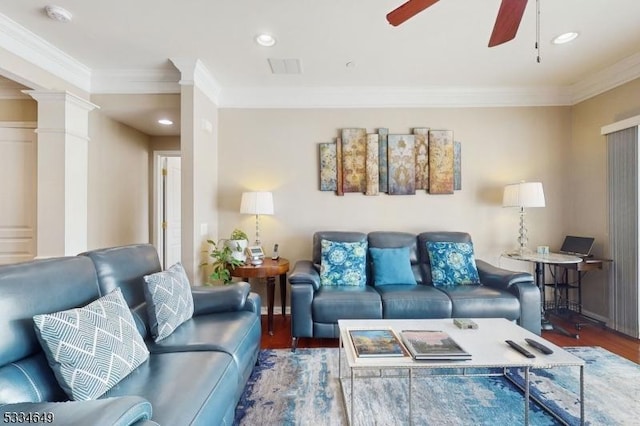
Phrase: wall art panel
pixel 354 153
pixel 373 172
pixel 441 162
pixel 401 158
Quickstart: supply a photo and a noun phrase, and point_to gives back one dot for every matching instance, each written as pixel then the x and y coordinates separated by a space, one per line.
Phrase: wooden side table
pixel 270 269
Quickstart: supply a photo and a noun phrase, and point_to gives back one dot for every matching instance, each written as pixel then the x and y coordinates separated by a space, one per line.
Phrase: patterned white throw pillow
pixel 169 300
pixel 92 348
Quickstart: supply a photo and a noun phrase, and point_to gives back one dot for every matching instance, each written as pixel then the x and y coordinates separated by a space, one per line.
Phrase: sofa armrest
pixel 493 276
pixel 305 272
pixel 119 411
pixel 207 300
pixel 254 304
pixel 521 285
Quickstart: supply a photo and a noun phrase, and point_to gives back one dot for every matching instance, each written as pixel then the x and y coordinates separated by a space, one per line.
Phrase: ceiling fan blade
pixel 408 10
pixel 507 21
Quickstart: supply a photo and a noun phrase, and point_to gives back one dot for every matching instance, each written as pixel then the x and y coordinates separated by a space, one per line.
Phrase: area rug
pixel 302 388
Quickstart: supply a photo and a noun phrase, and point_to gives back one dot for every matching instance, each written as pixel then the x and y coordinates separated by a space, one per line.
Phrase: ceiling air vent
pixel 285 66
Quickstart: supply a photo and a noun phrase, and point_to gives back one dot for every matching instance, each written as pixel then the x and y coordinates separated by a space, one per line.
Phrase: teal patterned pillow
pixel 452 263
pixel 343 264
pixel 91 349
pixel 169 300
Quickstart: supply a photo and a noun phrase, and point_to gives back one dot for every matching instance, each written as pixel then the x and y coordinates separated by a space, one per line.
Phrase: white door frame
pixel 158 198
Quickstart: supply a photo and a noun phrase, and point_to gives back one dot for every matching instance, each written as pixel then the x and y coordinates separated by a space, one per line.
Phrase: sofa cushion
pixel 333 303
pixel 169 300
pixel 343 263
pixel 92 348
pixel 452 263
pixel 479 301
pixel 185 388
pixel 414 302
pixel 391 266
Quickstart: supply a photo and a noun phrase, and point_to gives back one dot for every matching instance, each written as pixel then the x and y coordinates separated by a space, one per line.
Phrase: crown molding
pixel 611 77
pixel 393 97
pixel 34 49
pixel 136 81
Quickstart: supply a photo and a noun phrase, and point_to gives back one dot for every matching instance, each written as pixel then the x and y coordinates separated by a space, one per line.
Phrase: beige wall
pixel 18 110
pixel 277 150
pixel 586 179
pixel 118 211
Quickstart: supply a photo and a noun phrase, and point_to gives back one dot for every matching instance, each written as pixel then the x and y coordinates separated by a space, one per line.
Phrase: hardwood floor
pixel 591 335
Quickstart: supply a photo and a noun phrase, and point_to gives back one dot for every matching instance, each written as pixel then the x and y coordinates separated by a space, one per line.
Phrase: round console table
pixel 269 269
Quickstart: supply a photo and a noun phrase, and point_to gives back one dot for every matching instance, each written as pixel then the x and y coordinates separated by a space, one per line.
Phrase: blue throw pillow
pixel 343 264
pixel 392 266
pixel 452 263
pixel 169 300
pixel 90 349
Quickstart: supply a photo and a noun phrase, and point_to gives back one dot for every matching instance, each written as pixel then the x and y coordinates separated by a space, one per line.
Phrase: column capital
pixel 61 96
pixel 194 73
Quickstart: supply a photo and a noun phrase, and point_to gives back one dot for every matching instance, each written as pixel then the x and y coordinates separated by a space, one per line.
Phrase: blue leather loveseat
pixel 195 376
pixel 316 308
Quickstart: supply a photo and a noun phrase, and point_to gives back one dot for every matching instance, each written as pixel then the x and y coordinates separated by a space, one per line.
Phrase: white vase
pixel 238 249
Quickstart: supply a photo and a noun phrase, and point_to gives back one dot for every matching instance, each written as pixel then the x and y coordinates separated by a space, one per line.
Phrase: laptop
pixel 577 246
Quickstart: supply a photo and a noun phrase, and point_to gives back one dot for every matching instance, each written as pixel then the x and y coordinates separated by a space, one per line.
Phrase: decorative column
pixel 63 136
pixel 199 150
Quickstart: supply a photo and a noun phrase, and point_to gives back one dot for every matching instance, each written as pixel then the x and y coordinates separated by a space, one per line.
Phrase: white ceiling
pixel 442 50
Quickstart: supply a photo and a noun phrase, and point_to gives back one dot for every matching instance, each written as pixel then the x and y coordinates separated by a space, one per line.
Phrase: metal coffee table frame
pixel 486 345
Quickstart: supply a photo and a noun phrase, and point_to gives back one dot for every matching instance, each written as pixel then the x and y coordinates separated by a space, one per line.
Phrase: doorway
pixel 167 207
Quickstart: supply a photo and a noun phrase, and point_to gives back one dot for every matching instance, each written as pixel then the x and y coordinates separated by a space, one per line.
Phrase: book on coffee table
pixel 433 345
pixel 376 343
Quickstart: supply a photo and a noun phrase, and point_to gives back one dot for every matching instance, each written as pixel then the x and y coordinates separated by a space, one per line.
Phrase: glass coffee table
pixel 486 344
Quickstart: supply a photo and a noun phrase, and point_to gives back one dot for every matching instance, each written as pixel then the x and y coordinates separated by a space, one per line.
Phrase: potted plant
pixel 238 242
pixel 223 262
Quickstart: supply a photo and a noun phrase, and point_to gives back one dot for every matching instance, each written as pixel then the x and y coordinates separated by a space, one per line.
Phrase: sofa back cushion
pixel 395 240
pixel 423 253
pixel 28 289
pixel 125 267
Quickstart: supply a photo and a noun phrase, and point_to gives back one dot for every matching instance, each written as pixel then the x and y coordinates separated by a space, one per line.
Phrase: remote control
pixel 539 346
pixel 520 349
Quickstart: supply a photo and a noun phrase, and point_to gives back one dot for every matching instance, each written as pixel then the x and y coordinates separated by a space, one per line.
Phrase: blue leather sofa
pixel 316 309
pixel 193 377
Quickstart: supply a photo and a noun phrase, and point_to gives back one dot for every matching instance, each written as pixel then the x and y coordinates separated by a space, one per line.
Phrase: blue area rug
pixel 302 388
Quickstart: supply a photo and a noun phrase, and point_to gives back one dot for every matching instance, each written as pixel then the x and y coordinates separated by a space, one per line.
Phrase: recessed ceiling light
pixel 266 40
pixel 565 38
pixel 165 122
pixel 58 13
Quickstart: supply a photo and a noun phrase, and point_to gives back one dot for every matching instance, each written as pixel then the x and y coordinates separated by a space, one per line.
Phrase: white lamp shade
pixel 260 202
pixel 523 194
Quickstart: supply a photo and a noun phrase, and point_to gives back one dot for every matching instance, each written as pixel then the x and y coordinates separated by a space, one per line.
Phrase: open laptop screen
pixel 580 246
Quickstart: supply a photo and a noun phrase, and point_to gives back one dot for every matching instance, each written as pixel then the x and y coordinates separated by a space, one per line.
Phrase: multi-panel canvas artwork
pixel 396 164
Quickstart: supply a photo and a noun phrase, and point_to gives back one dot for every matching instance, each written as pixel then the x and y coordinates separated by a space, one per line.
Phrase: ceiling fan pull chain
pixel 538 31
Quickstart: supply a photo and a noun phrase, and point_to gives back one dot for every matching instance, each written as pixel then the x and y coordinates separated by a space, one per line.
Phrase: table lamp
pixel 257 203
pixel 523 195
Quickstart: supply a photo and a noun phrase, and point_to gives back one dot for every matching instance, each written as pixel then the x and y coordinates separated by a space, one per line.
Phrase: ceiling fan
pixel 504 29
